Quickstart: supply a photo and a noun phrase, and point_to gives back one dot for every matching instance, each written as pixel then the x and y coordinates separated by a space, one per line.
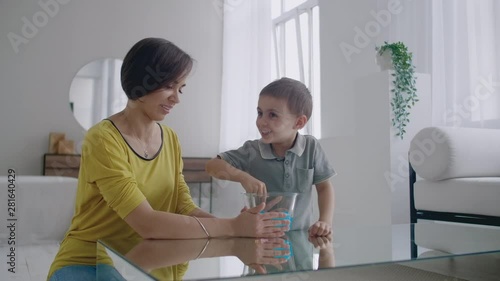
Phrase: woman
pixel 130 180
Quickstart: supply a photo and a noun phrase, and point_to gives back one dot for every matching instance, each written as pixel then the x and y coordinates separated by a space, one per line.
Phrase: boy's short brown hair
pixel 296 94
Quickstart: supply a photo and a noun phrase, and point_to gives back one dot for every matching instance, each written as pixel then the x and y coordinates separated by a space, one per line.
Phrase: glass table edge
pixel 121 256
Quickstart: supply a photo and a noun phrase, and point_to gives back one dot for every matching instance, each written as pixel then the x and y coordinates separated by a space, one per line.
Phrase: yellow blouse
pixel 113 181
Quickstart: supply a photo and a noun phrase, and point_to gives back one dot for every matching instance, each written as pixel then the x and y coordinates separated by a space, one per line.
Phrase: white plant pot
pixel 384 61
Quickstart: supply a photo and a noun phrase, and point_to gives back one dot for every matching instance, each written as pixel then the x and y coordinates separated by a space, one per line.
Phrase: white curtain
pixel 109 97
pixel 458 42
pixel 246 68
pixel 100 97
pixel 465 65
pixel 117 99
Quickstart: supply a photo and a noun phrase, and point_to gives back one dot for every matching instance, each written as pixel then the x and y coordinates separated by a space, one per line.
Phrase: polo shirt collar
pixel 266 152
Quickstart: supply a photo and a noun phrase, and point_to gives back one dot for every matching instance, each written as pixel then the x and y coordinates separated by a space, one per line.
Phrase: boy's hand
pixel 253 185
pixel 320 228
pixel 321 242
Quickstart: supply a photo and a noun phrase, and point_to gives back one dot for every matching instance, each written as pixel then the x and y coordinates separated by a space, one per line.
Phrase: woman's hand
pixel 252 223
pixel 259 252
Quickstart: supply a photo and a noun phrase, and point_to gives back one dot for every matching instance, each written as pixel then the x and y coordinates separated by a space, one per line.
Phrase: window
pixel 96 92
pixel 296 49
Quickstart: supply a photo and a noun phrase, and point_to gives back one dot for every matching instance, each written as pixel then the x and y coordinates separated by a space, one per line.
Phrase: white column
pixel 372 182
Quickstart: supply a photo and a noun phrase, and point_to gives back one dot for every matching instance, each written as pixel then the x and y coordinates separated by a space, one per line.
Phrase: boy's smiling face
pixel 276 124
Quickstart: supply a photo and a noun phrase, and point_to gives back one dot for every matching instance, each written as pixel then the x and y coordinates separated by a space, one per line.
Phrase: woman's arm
pixel 152 224
pixel 199 213
pixel 154 254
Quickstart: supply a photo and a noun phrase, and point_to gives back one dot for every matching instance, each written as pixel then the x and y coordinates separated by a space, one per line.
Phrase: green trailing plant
pixel 404 92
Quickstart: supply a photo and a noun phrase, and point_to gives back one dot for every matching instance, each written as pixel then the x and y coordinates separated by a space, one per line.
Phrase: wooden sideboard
pixel 199 181
pixel 67 165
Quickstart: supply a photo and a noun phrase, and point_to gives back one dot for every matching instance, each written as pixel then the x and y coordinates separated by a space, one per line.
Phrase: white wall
pixel 349 32
pixel 338 20
pixel 36 80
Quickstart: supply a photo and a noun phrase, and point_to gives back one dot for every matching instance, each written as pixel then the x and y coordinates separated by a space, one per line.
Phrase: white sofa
pixel 44 206
pixel 455 175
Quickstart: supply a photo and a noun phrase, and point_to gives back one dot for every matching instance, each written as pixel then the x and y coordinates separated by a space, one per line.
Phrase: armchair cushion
pixel 438 153
pixel 44 208
pixel 456 238
pixel 478 196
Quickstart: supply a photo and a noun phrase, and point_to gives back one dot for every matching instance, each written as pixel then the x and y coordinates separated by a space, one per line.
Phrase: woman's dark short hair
pixel 151 64
pixel 296 94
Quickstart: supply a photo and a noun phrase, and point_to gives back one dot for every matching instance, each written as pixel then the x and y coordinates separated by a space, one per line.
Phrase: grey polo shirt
pixel 304 165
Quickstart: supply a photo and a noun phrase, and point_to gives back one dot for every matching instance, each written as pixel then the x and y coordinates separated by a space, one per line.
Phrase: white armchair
pixel 455 176
pixel 44 206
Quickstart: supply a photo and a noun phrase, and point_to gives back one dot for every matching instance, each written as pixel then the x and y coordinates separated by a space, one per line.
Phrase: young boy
pixel 283 160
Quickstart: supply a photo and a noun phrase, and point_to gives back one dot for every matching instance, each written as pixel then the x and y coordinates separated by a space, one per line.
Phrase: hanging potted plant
pixel 404 92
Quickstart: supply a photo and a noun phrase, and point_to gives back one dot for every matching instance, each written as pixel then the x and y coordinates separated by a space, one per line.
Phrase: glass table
pixel 446 251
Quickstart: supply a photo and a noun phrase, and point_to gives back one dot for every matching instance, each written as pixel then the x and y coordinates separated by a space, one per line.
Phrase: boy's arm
pixel 326 251
pixel 326 204
pixel 222 170
pixel 326 258
pixel 326 201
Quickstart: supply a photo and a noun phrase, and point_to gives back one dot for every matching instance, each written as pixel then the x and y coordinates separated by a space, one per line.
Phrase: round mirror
pixel 96 92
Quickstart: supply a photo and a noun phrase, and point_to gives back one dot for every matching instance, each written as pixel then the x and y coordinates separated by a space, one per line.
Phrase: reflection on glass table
pixel 296 253
pixel 212 258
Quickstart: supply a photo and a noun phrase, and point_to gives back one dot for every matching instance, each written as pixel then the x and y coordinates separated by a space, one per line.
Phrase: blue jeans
pixel 86 273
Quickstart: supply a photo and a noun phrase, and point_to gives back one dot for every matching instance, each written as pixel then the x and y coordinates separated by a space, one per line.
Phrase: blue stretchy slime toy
pixel 287 217
pixel 287 257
